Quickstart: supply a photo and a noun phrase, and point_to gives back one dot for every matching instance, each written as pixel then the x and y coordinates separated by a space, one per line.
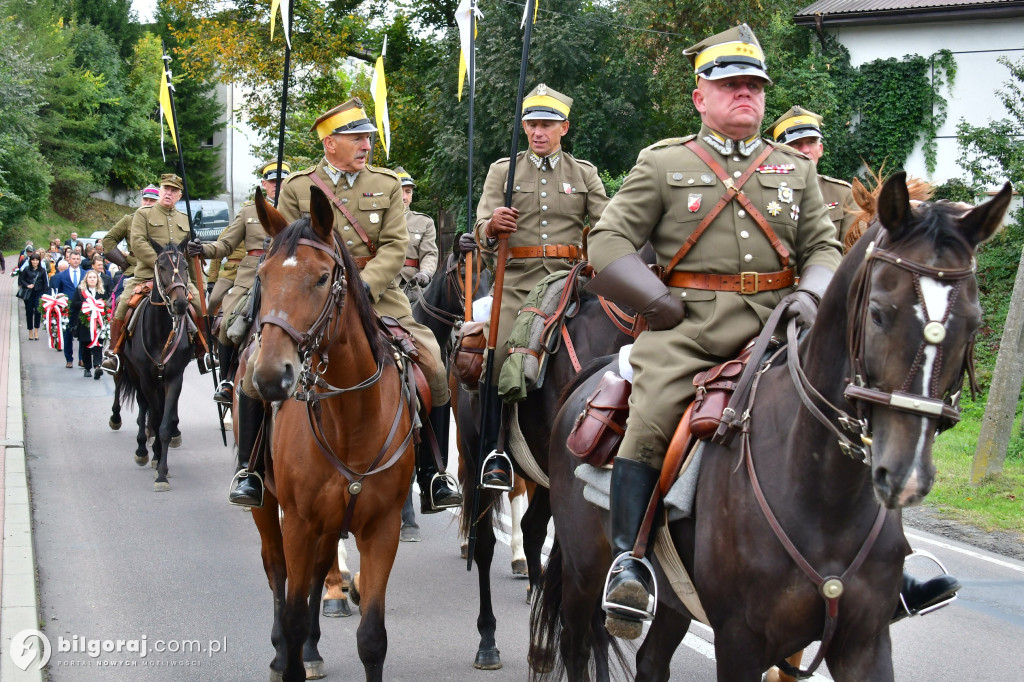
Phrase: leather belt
pixel 255 252
pixel 361 261
pixel 567 251
pixel 745 283
pixel 412 262
pixel 234 261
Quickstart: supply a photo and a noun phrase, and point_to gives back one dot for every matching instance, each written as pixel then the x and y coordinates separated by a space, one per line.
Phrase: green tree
pixel 115 18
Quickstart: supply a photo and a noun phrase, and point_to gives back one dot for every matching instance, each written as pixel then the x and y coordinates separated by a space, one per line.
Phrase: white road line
pixel 967 552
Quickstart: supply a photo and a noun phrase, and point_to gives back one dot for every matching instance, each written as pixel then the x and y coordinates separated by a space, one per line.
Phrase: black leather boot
pixel 225 392
pixel 438 490
pixel 247 487
pixel 629 591
pixel 922 596
pixel 497 467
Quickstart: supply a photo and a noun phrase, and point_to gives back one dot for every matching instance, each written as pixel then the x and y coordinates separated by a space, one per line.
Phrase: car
pixel 97 237
pixel 209 217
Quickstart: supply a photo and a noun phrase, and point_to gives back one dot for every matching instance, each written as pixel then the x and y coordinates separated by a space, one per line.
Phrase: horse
pixel 341 436
pixel 794 514
pixel 155 356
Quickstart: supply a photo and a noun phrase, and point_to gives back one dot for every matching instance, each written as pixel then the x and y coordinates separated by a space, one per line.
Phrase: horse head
pixel 911 325
pixel 170 275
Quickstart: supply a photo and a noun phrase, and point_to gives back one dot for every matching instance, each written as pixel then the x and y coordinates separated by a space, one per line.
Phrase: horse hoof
pixel 353 594
pixel 161 486
pixel 336 608
pixel 149 441
pixel 623 628
pixel 529 593
pixel 487 659
pixel 114 425
pixel 314 670
pixel 276 676
pixel 176 441
pixel 519 568
pixel 155 463
pixel 142 461
pixel 464 550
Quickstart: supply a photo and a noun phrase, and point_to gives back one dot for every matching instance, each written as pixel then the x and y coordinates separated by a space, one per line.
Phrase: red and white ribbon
pixel 54 306
pixel 93 309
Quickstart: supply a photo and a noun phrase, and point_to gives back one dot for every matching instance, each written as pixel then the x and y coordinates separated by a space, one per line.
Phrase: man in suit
pixel 100 267
pixel 66 283
pixel 73 242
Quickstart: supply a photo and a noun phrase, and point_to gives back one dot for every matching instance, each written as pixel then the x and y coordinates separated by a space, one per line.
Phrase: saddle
pixel 400 338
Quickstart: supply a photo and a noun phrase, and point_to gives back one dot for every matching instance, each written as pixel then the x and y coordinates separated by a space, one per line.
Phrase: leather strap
pixel 746 283
pixel 619 317
pixel 361 261
pixel 568 251
pixel 318 181
pixel 412 262
pixel 236 261
pixel 253 252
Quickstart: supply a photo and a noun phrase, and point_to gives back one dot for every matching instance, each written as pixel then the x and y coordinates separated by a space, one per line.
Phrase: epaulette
pixel 248 203
pixel 671 142
pixel 583 162
pixel 304 171
pixel 503 159
pixel 418 213
pixel 786 148
pixel 837 181
pixel 382 170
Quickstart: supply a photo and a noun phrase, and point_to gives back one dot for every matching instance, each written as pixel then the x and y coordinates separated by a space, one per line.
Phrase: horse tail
pixel 489 501
pixel 126 391
pixel 546 621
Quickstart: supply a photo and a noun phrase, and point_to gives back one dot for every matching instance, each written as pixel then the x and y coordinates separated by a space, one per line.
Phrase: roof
pixel 853 12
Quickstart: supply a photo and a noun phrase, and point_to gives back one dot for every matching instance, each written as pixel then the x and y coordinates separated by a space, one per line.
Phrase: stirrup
pixel 934 607
pixel 117 365
pixel 453 485
pixel 497 456
pixel 227 388
pixel 237 478
pixel 207 363
pixel 629 612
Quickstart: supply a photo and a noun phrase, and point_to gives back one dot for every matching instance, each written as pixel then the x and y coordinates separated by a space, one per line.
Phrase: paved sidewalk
pixel 19 602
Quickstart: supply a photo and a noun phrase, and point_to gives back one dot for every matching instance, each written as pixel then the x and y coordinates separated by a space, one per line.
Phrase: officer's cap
pixel 349 117
pixel 795 124
pixel 404 176
pixel 172 180
pixel 546 104
pixel 150 192
pixel 268 170
pixel 734 52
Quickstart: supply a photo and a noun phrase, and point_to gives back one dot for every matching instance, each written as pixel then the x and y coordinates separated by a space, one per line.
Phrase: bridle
pixel 177 264
pixel 454 283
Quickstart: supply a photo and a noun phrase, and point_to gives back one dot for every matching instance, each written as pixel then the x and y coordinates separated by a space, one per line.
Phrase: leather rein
pixel 178 324
pixel 454 283
pixel 316 341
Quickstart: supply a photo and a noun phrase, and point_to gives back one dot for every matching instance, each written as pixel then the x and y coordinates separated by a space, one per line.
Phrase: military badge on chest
pixel 794 212
pixel 375 218
pixel 693 202
pixel 785 194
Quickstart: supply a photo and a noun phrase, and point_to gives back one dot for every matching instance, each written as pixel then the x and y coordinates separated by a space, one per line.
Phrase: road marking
pixel 967 552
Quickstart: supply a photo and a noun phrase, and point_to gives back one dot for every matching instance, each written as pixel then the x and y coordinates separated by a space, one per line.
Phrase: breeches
pixel 220 288
pixel 230 296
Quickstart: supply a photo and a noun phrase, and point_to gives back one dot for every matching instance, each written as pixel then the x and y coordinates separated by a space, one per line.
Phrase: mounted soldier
pixel 554 196
pixel 421 256
pixel 369 218
pixel 120 231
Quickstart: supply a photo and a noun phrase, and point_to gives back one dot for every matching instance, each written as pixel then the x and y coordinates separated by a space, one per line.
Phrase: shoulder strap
pixel 318 181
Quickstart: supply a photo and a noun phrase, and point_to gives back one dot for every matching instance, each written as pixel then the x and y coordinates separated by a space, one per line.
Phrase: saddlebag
pixel 714 390
pixel 598 431
pixel 468 356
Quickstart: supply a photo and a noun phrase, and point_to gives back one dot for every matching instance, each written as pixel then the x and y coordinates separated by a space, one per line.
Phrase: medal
pixel 706 178
pixel 794 212
pixel 693 203
pixel 774 208
pixel 567 187
pixel 786 194
pixel 375 218
pixel 832 205
pixel 778 168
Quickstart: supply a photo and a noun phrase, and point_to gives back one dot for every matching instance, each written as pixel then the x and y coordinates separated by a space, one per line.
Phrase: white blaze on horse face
pixel 290 262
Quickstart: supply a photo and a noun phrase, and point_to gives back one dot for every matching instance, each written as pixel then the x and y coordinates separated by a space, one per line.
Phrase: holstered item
pixel 401 337
pixel 714 389
pixel 468 357
pixel 599 428
pixel 140 292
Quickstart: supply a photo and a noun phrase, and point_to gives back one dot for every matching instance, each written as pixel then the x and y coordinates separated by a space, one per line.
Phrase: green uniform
pixel 244 234
pixel 663 199
pixel 422 247
pixel 374 198
pixel 554 204
pixel 114 236
pixel 838 196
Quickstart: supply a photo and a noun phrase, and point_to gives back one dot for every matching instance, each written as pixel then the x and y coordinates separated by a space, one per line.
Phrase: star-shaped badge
pixel 774 208
pixel 794 212
pixel 786 194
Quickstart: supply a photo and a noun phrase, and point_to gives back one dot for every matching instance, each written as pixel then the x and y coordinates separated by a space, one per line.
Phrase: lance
pixel 197 261
pixel 499 275
pixel 284 103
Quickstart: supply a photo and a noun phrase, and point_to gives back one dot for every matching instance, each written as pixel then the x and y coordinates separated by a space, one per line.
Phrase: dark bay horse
pixel 883 367
pixel 341 437
pixel 155 358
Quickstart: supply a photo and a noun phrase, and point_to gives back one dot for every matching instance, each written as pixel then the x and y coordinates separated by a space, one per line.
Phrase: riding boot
pixel 923 596
pixel 111 362
pixel 496 473
pixel 629 591
pixel 225 390
pixel 205 358
pixel 247 487
pixel 438 490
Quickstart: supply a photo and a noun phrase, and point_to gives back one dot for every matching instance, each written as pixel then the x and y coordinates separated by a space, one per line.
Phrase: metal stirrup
pixel 630 612
pixel 934 607
pixel 495 455
pixel 239 475
pixel 452 485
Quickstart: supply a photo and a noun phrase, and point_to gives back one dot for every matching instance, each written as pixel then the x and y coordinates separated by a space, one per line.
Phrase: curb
pixel 19 604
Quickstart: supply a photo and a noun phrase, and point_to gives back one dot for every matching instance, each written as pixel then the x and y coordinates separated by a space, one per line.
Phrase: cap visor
pixel 732 70
pixel 361 128
pixel 789 139
pixel 543 116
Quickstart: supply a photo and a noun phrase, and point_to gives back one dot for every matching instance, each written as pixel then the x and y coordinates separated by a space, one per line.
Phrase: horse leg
pixel 518 501
pixel 326 559
pixel 736 652
pixel 487 656
pixel 115 409
pixel 168 419
pixel 377 549
pixel 535 532
pixel 300 544
pixel 664 636
pixel 776 675
pixel 337 581
pixel 142 447
pixel 269 525
pixel 862 658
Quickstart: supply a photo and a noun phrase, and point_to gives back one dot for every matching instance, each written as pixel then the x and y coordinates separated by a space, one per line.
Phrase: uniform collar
pixel 335 174
pixel 725 146
pixel 546 162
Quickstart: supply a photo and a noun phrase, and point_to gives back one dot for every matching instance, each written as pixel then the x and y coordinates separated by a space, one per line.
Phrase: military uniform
pixel 242 243
pixel 838 196
pixel 421 254
pixel 113 237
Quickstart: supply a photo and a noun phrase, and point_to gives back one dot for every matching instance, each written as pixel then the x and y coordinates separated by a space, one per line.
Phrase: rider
pixel 421 256
pixel 245 233
pixel 801 130
pixel 554 195
pixel 119 232
pixel 159 224
pixel 369 217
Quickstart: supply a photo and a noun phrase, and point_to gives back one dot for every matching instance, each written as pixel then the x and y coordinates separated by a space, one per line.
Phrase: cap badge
pixel 774 208
pixel 693 203
pixel 786 195
pixel 542 90
pixel 794 212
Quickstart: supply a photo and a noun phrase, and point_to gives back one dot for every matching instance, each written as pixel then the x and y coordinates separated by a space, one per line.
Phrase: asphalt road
pixel 117 561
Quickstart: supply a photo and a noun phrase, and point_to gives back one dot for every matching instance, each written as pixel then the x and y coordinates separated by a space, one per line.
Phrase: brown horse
pixel 797 521
pixel 342 437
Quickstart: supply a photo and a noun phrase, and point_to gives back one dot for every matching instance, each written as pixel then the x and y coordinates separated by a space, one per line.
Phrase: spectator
pixel 90 342
pixel 67 252
pixel 88 253
pixel 33 278
pixel 99 266
pixel 73 242
pixel 67 282
pixel 3 263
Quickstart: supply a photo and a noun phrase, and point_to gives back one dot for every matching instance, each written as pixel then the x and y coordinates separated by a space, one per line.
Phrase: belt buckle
pixel 745 277
pixel 544 250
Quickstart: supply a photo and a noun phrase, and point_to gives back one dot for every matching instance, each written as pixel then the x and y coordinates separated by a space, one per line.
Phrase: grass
pixel 95 215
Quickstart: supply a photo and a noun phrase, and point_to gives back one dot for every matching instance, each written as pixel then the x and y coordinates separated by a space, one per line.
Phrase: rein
pixel 453 282
pixel 178 327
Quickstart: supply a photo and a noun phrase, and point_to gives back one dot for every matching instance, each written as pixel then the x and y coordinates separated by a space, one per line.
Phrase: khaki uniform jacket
pixel 375 201
pixel 422 246
pixel 245 233
pixel 554 206
pixel 162 226
pixel 838 196
pixel 113 237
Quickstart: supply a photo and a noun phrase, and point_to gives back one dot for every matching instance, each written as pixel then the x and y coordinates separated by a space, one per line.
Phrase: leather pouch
pixel 468 357
pixel 598 431
pixel 714 390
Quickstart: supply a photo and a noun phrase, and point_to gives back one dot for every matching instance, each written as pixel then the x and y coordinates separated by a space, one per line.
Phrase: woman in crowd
pixel 33 278
pixel 92 292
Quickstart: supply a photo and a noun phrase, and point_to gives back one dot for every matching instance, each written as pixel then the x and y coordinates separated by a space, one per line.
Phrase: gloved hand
pixel 366 288
pixel 467 243
pixel 421 278
pixel 803 303
pixel 503 220
pixel 629 281
pixel 194 248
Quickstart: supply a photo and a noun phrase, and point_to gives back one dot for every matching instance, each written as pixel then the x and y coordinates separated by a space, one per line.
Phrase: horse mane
pixel 288 241
pixel 867 201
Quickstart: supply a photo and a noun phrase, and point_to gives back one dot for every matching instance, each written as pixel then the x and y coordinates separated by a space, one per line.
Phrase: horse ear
pixel 156 247
pixel 270 218
pixel 321 215
pixel 982 222
pixel 863 197
pixel 894 204
pixel 182 243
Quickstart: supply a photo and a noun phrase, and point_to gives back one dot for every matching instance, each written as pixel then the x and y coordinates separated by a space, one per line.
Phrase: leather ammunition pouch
pixel 714 389
pixel 467 359
pixel 599 428
pixel 141 291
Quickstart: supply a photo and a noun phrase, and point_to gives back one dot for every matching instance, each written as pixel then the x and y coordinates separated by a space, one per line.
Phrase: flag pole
pixel 499 280
pixel 284 103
